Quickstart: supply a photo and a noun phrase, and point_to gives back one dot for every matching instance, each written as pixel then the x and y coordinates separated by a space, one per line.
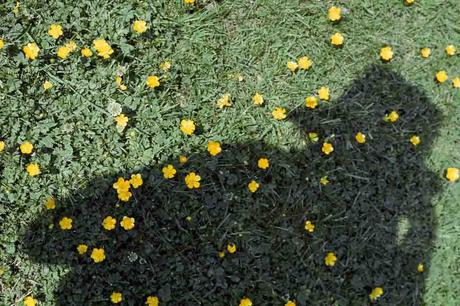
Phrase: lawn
pixel 277 216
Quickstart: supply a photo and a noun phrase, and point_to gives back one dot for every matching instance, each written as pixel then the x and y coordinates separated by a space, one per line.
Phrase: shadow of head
pixel 374 215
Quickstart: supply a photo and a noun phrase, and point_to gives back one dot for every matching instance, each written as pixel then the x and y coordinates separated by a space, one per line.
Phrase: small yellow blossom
pixel 2 43
pixel 136 180
pixel 334 13
pixel 65 223
pixel 33 169
pixel 253 186
pixel 290 303
pixel 55 31
pixel 420 268
pixel 292 66
pixel 47 85
pixel 183 159
pixel 221 254
pixel 441 76
pixel 127 223
pixel 29 301
pixel 82 249
pixel 192 180
pixel 121 120
pixel 189 1
pixel 121 185
pixel 279 113
pixel 360 137
pixel 214 148
pixel 409 2
pixel 324 180
pixel 86 52
pixel 386 54
pixel 425 52
pixel 224 101
pixel 311 102
pixel 119 81
pixel 245 302
pixel 63 52
pixel 109 223
pixel 376 293
pixel 257 99
pixel 304 63
pixel 169 171
pixel 152 81
pixel 452 174
pixel 231 248
pixel 323 93
pixel 116 297
pixel 337 39
pixel 327 148
pixel 393 116
pixel 2 145
pixel 330 259
pixel 450 50
pixel 415 140
pixel 152 301
pixel 50 203
pixel 309 227
pixel 71 45
pixel 187 126
pixel 31 51
pixel 124 196
pixel 314 137
pixel 139 26
pixel 103 48
pixel 165 66
pixel 26 147
pixel 98 255
pixel 456 82
pixel 263 163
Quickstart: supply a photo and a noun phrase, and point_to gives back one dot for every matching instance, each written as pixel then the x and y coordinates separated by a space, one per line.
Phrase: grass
pixel 77 142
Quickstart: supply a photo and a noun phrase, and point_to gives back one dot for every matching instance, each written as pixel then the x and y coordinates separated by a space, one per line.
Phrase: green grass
pixel 76 141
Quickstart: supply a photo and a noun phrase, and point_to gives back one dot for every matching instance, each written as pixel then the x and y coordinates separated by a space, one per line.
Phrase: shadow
pixel 375 215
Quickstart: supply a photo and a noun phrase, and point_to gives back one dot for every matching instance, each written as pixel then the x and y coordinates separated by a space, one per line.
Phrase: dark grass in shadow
pixel 376 190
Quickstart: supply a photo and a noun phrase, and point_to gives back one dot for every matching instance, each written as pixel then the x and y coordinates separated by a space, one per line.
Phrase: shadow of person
pixel 375 215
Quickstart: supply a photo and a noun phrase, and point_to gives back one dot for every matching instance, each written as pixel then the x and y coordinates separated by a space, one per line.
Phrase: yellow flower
pixel 50 203
pixel 33 169
pixel 420 268
pixel 290 303
pixel 456 82
pixel 279 113
pixel 86 52
pixel 116 297
pixel 189 1
pixel 140 26
pixel 121 120
pixel 121 185
pixel 415 140
pixel 253 186
pixel 119 81
pixel 292 66
pixel 2 145
pixel 168 171
pixel 409 2
pixel 187 126
pixel 103 48
pixel 136 180
pixel 47 85
pixel 2 43
pixel 127 223
pixel 334 13
pixel 309 227
pixel 109 223
pixel 55 31
pixel 224 101
pixel 330 259
pixel 26 147
pixel 63 52
pixel 337 39
pixel 263 163
pixel 450 50
pixel 441 76
pixel 360 137
pixel 245 302
pixel 376 293
pixel 323 93
pixel 393 116
pixel 231 248
pixel 425 52
pixel 152 301
pixel 257 99
pixel 153 81
pixel 214 148
pixel 192 180
pixel 82 249
pixel 165 66
pixel 304 63
pixel 183 159
pixel 98 255
pixel 453 174
pixel 311 102
pixel 31 51
pixel 386 54
pixel 124 196
pixel 65 223
pixel 314 137
pixel 221 254
pixel 324 180
pixel 30 301
pixel 71 45
pixel 327 148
